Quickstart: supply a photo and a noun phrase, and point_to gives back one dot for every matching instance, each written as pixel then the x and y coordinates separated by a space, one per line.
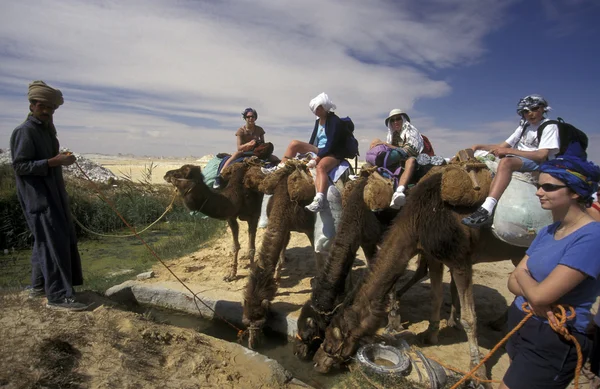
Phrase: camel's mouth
pixel 323 362
pixel 305 350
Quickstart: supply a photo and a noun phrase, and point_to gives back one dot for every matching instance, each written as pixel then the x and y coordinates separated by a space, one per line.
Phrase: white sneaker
pixel 398 200
pixel 317 205
pixel 353 177
pixel 267 170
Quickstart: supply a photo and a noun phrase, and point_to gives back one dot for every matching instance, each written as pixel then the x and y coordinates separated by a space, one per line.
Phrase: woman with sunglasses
pixel 408 141
pixel 594 212
pixel 249 137
pixel 561 266
pixel 521 152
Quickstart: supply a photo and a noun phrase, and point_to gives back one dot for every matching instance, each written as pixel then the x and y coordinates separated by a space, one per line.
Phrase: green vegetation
pixel 106 261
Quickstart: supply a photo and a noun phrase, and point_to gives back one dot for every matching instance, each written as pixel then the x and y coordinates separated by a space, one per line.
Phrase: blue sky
pixel 171 78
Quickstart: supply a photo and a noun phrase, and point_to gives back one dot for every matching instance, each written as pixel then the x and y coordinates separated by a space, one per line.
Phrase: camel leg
pixel 455 310
pixel 370 250
pixel 436 273
pixel 235 230
pixel 281 260
pixel 420 273
pixel 394 318
pixel 252 227
pixel 468 317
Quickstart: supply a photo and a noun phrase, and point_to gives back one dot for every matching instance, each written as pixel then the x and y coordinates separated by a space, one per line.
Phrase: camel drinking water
pixel 430 227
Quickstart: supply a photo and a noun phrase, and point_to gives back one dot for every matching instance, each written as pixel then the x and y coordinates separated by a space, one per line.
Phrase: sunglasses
pixel 532 109
pixel 396 119
pixel 550 187
pixel 250 117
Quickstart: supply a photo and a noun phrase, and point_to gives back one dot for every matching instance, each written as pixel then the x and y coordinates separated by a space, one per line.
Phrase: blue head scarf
pixel 572 168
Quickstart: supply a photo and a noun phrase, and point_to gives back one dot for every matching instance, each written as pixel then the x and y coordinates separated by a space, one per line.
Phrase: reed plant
pixel 107 257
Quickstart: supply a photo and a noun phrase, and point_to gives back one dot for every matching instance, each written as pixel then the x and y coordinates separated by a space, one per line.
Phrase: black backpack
pixel 350 142
pixel 567 134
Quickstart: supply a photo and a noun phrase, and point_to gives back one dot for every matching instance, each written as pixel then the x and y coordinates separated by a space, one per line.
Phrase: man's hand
pixel 501 152
pixel 65 158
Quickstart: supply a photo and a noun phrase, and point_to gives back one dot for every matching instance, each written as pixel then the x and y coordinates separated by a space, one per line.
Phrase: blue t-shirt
pixel 580 250
pixel 321 139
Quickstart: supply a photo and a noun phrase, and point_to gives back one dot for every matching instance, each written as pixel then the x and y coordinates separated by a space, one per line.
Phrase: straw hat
pixel 395 112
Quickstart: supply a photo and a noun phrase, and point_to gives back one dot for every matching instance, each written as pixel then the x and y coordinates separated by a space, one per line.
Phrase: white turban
pixel 322 100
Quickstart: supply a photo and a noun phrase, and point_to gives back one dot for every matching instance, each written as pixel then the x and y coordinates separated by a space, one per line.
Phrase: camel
pixel 285 215
pixel 234 201
pixel 358 227
pixel 430 227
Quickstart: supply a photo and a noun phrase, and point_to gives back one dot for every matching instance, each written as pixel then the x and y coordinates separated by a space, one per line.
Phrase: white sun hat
pixel 394 112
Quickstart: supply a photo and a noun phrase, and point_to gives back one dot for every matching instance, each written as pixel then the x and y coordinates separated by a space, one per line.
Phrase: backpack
pixel 349 141
pixel 427 147
pixel 567 134
pixel 384 156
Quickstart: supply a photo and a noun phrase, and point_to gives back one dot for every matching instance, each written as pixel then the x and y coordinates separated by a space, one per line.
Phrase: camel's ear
pixel 337 333
pixel 265 304
pixel 310 322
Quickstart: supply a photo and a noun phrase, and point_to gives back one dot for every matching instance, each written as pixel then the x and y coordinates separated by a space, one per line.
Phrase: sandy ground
pixel 111 348
pixel 135 167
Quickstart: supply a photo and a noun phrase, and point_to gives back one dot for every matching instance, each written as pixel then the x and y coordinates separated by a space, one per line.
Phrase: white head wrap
pixel 322 100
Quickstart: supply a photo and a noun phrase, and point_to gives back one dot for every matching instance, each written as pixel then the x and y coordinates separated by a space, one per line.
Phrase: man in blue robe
pixel 55 261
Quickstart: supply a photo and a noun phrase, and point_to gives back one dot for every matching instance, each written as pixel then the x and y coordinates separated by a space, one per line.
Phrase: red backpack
pixel 427 147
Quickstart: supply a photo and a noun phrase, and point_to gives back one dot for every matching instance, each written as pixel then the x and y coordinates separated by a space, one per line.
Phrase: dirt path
pixel 205 269
pixel 110 348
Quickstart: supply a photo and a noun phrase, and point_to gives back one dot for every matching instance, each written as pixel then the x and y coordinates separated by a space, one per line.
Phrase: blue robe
pixel 55 260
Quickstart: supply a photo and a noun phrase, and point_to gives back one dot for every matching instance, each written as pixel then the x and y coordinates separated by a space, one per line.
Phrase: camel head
pixel 254 318
pixel 337 347
pixel 310 334
pixel 185 173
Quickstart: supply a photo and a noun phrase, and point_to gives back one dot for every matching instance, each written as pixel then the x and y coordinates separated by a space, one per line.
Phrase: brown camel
pixel 285 216
pixel 234 201
pixel 428 226
pixel 358 227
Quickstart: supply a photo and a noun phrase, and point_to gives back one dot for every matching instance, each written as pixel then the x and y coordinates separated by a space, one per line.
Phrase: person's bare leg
pixel 410 166
pixel 323 169
pixel 322 183
pixel 233 157
pixel 399 198
pixel 506 167
pixel 295 147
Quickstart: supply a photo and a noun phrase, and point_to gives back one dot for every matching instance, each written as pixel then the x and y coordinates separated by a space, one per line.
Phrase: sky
pixel 171 78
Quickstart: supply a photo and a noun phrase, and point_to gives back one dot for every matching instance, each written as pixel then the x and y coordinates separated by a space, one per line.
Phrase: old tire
pixel 367 354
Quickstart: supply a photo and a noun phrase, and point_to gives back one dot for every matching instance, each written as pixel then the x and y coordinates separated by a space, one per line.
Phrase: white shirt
pixel 529 141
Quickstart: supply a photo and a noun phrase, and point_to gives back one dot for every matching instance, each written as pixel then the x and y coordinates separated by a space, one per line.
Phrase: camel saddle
pixel 465 180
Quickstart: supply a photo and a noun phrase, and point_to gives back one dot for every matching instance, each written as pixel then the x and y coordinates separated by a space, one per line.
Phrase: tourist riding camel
pixel 327 142
pixel 560 267
pixel 250 142
pixel 521 152
pixel 409 143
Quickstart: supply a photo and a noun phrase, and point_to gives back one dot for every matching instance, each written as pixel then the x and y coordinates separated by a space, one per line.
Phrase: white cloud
pixel 170 78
